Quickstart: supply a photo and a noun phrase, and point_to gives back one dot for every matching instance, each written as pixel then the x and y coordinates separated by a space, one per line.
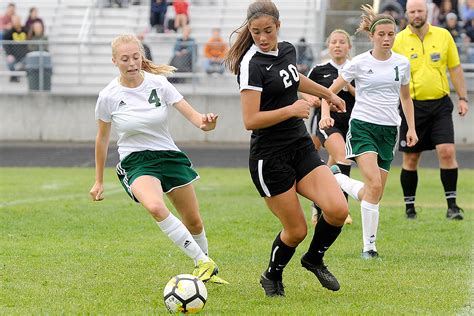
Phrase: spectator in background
pixel 146 48
pixel 469 29
pixel 15 52
pixel 6 19
pixel 304 56
pixel 184 53
pixel 214 52
pixel 394 9
pixel 36 33
pixel 32 18
pixel 467 10
pixel 181 18
pixel 157 15
pixel 467 50
pixel 445 7
pixel 453 27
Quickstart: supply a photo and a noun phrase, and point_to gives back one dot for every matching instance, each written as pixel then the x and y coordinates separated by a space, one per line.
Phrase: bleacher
pixel 80 32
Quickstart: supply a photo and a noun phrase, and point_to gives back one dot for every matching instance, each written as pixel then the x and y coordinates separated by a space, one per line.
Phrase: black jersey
pixel 325 74
pixel 275 75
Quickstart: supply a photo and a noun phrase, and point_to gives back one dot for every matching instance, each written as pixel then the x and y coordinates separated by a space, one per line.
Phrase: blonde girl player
pixel 283 161
pixel 382 78
pixel 138 103
pixel 333 139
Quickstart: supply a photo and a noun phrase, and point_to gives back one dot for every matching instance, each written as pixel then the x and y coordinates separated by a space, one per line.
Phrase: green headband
pixel 372 27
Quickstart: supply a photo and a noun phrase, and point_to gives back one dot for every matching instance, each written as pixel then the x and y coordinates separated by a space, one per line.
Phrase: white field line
pixel 59 197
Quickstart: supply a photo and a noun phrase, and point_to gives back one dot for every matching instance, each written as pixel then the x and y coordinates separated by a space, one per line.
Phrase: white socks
pixel 201 240
pixel 349 185
pixel 370 223
pixel 182 238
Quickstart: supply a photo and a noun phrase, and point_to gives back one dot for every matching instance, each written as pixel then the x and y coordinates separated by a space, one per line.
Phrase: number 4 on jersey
pixel 154 99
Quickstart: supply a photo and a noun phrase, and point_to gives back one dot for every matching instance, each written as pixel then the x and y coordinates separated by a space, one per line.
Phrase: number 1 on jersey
pixel 396 74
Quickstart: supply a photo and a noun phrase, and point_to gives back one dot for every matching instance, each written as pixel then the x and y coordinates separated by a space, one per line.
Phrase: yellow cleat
pixel 205 270
pixel 217 280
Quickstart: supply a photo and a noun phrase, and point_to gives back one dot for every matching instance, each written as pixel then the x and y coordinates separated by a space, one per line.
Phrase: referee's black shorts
pixel 277 175
pixel 433 123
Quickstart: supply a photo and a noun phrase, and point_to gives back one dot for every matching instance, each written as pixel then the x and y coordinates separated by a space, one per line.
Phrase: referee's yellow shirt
pixel 428 61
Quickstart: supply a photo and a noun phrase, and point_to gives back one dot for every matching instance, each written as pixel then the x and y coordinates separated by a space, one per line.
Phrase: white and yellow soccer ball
pixel 185 294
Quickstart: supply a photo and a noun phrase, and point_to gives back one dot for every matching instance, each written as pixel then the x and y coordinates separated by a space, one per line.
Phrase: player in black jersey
pixel 333 138
pixel 283 160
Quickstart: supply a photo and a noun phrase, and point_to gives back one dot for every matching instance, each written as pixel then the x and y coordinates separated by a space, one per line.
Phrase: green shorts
pixel 364 137
pixel 172 168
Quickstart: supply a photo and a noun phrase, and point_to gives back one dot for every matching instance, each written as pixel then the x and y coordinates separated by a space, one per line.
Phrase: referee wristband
pixel 463 99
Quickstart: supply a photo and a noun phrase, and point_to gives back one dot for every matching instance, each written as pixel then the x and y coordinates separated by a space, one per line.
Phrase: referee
pixel 431 50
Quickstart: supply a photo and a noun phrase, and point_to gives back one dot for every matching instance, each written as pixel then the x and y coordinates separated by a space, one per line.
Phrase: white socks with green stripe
pixel 201 240
pixel 370 223
pixel 349 185
pixel 181 237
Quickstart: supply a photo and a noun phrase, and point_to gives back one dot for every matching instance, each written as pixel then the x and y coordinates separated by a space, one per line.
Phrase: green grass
pixel 61 253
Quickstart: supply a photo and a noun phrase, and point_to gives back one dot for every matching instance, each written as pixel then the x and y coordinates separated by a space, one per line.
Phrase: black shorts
pixel 433 123
pixel 340 127
pixel 277 175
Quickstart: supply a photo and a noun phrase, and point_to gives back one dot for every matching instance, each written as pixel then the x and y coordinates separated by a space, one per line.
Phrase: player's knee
pixel 158 210
pixel 297 234
pixel 447 153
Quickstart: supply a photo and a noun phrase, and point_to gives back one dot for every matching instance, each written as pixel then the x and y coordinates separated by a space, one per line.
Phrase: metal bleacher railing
pixel 85 67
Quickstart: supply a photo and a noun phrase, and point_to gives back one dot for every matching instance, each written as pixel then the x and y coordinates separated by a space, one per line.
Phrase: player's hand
pixel 314 101
pixel 97 191
pixel 10 59
pixel 462 108
pixel 208 122
pixel 411 137
pixel 336 103
pixel 326 122
pixel 301 109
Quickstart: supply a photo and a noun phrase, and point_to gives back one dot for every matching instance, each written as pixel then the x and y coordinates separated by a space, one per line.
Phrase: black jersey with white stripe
pixel 325 74
pixel 275 75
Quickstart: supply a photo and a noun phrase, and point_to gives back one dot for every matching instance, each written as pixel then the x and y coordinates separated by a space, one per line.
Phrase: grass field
pixel 63 254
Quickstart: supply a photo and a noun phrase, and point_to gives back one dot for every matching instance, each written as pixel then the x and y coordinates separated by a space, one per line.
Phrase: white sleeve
pixel 102 109
pixel 406 74
pixel 170 94
pixel 348 72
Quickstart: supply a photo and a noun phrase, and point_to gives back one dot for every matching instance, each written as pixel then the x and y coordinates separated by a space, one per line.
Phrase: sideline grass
pixel 61 253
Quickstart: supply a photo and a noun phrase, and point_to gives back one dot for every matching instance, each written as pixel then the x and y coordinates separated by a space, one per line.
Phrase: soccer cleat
pixel 205 270
pixel 315 214
pixel 454 213
pixel 217 280
pixel 348 220
pixel 335 169
pixel 326 278
pixel 411 213
pixel 368 255
pixel 272 288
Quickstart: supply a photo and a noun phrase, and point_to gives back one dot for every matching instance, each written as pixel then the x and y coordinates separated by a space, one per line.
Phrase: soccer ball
pixel 185 294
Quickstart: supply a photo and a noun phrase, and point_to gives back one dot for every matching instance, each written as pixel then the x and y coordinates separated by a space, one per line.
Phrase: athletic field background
pixel 62 253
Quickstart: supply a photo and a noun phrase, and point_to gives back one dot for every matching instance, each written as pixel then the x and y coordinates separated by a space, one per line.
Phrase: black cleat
pixel 454 213
pixel 272 288
pixel 368 255
pixel 326 278
pixel 411 213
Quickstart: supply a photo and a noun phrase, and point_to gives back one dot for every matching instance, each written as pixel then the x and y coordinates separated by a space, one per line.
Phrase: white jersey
pixel 139 114
pixel 377 85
